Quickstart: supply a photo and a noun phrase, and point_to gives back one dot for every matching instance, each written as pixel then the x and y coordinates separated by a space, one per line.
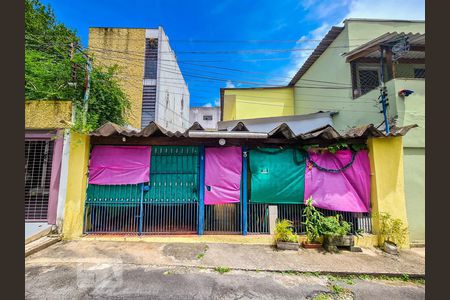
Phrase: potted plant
pixel 393 233
pixel 285 238
pixel 313 224
pixel 335 233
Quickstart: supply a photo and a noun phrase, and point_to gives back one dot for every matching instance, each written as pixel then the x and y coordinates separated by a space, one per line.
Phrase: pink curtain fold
pixel 223 168
pixel 348 190
pixel 116 165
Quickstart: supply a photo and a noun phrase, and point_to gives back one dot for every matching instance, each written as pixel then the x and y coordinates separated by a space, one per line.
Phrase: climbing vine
pixel 55 69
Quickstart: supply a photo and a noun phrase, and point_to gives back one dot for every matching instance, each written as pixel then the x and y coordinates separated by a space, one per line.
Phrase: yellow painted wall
pixel 387 180
pixel 76 186
pixel 47 114
pixel 126 48
pixel 258 103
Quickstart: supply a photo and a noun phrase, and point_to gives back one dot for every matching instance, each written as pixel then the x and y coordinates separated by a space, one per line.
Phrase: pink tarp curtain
pixel 223 168
pixel 114 165
pixel 348 190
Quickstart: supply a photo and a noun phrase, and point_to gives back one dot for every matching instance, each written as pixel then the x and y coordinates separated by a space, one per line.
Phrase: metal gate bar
pixel 258 218
pixel 223 218
pixel 38 169
pixel 173 218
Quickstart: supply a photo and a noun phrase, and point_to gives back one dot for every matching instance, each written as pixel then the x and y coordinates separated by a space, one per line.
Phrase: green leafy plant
pixel 55 71
pixel 392 229
pixel 222 270
pixel 284 232
pixel 335 226
pixel 313 222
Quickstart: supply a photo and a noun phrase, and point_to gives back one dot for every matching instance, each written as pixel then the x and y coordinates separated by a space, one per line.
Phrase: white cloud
pixel 329 12
pixel 230 84
pixel 308 41
pixel 216 102
pixel 387 9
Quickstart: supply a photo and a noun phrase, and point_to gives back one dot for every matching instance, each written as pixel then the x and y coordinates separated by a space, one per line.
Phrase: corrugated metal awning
pixel 368 49
pixel 282 131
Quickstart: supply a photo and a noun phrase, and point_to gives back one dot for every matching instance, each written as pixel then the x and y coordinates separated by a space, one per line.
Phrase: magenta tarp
pixel 223 168
pixel 111 165
pixel 348 190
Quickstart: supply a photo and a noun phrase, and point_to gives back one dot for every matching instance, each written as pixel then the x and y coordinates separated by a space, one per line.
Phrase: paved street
pixel 127 281
pixel 125 270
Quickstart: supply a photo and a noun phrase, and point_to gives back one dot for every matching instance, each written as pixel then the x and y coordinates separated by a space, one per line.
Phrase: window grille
pixel 38 169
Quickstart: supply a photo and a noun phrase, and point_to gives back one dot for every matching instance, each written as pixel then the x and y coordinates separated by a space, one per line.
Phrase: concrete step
pixel 40 244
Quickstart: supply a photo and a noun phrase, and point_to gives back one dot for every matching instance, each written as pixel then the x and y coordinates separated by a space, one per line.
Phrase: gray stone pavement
pixel 234 256
pixel 101 280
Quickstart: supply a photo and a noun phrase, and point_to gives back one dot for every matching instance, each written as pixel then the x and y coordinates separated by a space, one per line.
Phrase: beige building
pixel 148 72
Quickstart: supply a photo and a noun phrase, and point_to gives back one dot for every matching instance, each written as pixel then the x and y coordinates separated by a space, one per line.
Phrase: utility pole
pixel 87 85
pixel 383 92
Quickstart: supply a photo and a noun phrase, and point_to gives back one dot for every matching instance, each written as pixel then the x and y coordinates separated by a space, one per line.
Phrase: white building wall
pixel 172 94
pixel 197 113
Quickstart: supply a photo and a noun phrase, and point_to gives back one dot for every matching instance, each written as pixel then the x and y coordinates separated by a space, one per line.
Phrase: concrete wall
pixel 387 180
pixel 172 108
pixel 414 162
pixel 76 186
pixel 125 48
pixel 362 31
pixel 47 114
pixel 196 115
pixel 258 103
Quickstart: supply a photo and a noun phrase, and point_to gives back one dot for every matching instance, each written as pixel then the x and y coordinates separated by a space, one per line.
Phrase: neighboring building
pixel 148 73
pixel 343 74
pixel 347 62
pixel 46 161
pixel 299 124
pixel 207 117
pixel 248 103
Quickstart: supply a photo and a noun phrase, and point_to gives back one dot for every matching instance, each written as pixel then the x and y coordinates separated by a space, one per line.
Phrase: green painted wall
pixel 331 67
pixel 414 164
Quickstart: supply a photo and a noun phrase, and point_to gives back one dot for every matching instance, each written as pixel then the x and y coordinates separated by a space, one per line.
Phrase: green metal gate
pixel 171 204
pixel 167 204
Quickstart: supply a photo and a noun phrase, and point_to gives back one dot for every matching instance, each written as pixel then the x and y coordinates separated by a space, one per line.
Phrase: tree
pixel 55 68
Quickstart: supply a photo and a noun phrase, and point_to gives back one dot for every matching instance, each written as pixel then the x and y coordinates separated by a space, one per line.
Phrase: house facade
pixel 349 58
pixel 147 72
pixel 344 74
pixel 207 117
pixel 249 103
pixel 47 144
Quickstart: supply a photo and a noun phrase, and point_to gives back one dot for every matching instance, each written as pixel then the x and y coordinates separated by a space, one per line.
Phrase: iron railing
pixel 170 218
pixel 38 169
pixel 223 218
pixel 258 218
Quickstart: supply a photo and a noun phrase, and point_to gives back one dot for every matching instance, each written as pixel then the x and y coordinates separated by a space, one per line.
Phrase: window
pixel 368 79
pixel 207 118
pixel 38 169
pixel 419 72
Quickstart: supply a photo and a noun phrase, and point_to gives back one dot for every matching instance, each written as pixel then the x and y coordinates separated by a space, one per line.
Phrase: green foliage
pixel 392 229
pixel 51 72
pixel 284 232
pixel 313 222
pixel 222 270
pixel 335 226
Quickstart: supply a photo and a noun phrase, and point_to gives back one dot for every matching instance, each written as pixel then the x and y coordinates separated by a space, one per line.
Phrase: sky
pixel 231 43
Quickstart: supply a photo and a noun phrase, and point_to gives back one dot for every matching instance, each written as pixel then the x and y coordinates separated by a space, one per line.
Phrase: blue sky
pixel 232 25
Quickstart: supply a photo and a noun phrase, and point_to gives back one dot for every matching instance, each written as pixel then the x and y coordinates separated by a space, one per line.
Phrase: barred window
pixel 419 73
pixel 368 79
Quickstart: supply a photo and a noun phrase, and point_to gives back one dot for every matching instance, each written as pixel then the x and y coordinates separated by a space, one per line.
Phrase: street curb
pixel 46 242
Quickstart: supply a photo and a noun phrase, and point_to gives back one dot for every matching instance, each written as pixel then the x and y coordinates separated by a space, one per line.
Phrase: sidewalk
pixel 235 256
